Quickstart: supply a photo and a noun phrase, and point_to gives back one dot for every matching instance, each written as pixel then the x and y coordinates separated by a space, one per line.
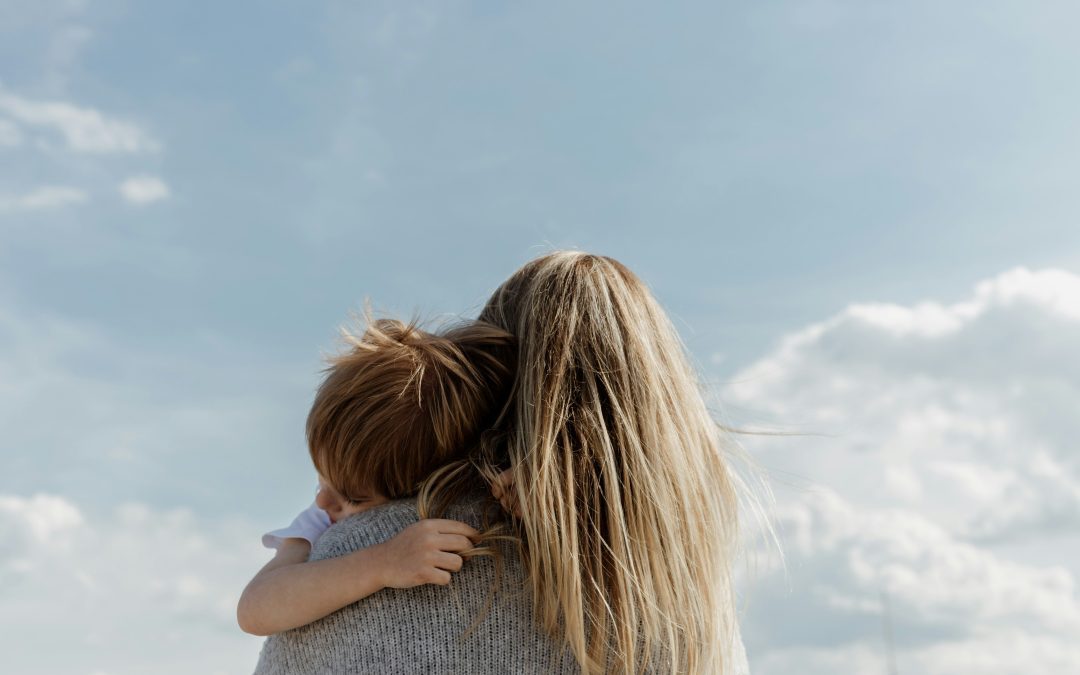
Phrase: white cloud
pixel 42 198
pixel 83 129
pixel 133 589
pixel 946 597
pixel 929 574
pixel 41 516
pixel 941 468
pixel 990 652
pixel 998 652
pixel 134 586
pixel 946 420
pixel 144 189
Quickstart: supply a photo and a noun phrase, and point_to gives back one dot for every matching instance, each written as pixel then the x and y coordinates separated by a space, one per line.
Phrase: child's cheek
pixel 351 510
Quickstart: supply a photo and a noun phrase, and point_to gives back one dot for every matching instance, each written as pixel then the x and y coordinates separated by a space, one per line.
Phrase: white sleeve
pixel 310 524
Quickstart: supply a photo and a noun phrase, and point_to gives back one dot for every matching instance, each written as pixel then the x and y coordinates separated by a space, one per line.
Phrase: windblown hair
pixel 628 510
pixel 402 402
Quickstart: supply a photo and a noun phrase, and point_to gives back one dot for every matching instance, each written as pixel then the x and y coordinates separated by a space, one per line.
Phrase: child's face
pixel 339 507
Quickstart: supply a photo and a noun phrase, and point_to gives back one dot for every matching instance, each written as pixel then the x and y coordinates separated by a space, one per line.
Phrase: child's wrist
pixel 371 562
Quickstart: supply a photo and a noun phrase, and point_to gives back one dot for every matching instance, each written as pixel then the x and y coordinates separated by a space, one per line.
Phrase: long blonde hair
pixel 629 512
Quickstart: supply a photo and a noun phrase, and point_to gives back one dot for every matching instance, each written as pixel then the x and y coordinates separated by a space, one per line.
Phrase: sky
pixel 862 217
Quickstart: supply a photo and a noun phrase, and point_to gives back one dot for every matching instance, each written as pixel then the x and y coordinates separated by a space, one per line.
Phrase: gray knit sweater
pixel 421 629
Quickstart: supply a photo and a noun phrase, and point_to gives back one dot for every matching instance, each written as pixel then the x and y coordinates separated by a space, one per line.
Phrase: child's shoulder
pixel 367 528
pixel 382 522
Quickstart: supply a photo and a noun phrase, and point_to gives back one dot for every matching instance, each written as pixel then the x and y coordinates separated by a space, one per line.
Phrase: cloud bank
pixel 135 590
pixel 942 489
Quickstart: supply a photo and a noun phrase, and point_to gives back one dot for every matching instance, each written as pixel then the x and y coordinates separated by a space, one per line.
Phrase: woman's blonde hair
pixel 629 518
pixel 401 402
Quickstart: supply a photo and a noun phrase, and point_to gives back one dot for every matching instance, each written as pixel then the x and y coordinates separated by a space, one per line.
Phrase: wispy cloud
pixel 83 129
pixel 42 198
pixel 144 189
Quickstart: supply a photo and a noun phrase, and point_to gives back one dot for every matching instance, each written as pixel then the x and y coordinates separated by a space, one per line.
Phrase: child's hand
pixel 503 490
pixel 424 553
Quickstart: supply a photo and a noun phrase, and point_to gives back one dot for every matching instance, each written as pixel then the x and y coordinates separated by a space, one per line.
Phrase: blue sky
pixel 841 203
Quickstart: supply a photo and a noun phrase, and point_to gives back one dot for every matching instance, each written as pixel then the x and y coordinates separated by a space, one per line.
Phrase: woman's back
pixel 421 629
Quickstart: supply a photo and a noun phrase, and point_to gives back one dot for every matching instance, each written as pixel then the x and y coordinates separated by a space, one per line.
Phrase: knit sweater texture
pixel 423 629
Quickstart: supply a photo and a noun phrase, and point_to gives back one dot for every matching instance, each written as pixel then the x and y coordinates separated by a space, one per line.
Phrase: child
pixel 399 405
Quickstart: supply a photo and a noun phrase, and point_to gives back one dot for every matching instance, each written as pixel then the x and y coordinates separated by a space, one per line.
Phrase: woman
pixel 627 513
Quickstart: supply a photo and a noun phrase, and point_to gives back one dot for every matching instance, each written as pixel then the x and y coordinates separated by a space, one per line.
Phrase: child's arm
pixel 289 592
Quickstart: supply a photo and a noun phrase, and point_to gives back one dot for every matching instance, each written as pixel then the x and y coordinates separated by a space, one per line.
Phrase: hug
pixel 542 489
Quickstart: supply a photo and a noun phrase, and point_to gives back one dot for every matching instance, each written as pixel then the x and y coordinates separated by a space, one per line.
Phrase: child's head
pixel 401 402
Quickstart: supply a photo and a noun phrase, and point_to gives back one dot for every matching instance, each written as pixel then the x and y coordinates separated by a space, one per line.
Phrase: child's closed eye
pixel 358 501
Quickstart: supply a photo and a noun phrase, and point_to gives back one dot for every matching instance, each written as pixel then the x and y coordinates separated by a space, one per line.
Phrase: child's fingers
pixel 453 542
pixel 445 526
pixel 449 562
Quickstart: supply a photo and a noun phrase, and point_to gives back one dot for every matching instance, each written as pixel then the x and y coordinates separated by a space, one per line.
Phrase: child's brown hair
pixel 402 402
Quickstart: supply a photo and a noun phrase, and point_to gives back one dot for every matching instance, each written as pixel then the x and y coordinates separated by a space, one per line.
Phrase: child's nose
pixel 323 501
